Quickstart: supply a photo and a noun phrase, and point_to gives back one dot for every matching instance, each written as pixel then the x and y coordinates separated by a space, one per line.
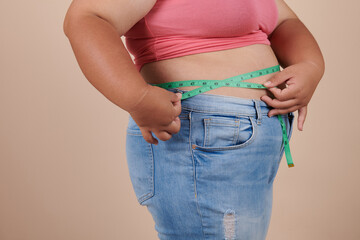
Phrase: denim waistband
pixel 205 102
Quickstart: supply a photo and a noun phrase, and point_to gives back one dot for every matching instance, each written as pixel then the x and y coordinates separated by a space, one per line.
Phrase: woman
pixel 212 173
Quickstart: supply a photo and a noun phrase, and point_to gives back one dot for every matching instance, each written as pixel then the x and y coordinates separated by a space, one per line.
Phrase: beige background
pixel 63 171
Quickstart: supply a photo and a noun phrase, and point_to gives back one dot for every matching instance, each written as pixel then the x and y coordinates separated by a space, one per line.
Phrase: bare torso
pixel 216 65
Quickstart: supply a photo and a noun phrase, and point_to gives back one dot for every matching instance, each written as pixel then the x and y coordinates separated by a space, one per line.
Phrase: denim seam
pixel 219 112
pixel 222 124
pixel 194 174
pixel 206 140
pixel 132 131
pixel 151 193
pixel 236 132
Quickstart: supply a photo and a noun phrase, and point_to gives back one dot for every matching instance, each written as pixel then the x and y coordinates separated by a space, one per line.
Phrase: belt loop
pixel 258 111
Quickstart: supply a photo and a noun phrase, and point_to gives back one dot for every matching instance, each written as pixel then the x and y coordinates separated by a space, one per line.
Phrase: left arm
pixel 299 54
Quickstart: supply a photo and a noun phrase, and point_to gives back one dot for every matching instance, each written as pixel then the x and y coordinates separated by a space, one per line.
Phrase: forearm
pixel 104 60
pixel 293 43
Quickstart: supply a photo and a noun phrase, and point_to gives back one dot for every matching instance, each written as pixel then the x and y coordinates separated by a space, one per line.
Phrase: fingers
pixel 284 94
pixel 275 103
pixel 173 127
pixel 301 117
pixel 167 131
pixel 162 135
pixel 279 78
pixel 177 106
pixel 280 107
pixel 283 111
pixel 283 77
pixel 148 136
pixel 175 97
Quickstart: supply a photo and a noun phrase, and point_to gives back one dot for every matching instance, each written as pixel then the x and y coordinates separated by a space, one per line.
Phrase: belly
pixel 216 65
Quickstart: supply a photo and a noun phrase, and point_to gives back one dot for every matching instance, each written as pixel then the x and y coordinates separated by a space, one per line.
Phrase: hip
pixel 217 132
pixel 219 167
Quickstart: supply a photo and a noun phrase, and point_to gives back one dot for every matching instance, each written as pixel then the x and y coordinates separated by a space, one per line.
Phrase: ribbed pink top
pixel 174 28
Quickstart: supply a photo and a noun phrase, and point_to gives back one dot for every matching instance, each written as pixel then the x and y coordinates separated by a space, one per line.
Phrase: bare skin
pixel 89 24
pixel 216 65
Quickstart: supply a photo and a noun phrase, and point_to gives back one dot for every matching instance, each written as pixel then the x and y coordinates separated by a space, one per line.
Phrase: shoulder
pixel 122 14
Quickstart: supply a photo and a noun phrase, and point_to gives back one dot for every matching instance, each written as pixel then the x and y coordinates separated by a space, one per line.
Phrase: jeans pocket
pixel 139 155
pixel 226 132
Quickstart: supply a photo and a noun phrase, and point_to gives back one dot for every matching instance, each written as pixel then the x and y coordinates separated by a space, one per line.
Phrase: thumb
pixel 278 78
pixel 176 97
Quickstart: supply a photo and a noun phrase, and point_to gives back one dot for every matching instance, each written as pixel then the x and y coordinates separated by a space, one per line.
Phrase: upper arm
pixel 285 12
pixel 122 14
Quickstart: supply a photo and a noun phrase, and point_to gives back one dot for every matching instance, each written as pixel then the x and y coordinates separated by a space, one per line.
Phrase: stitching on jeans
pixel 250 140
pixel 151 179
pixel 208 122
pixel 236 132
pixel 222 112
pixel 218 112
pixel 194 175
pixel 134 134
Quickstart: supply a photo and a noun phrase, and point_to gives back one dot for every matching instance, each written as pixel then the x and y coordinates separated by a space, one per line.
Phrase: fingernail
pixel 179 95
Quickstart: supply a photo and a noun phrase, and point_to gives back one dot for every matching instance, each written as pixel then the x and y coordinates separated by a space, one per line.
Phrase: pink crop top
pixel 174 28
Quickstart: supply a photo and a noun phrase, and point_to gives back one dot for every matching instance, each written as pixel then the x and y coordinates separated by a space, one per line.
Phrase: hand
pixel 158 112
pixel 301 80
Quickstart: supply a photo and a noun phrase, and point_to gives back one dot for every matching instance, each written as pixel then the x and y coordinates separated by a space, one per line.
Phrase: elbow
pixel 66 25
pixel 321 64
pixel 69 20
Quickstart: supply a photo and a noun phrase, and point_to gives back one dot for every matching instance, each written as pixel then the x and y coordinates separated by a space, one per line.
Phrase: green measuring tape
pixel 236 81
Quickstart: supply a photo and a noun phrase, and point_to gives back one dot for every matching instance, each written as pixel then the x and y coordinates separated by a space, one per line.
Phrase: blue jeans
pixel 214 178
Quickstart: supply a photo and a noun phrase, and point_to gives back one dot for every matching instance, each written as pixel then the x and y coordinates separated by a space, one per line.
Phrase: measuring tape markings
pixel 235 81
pixel 208 85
